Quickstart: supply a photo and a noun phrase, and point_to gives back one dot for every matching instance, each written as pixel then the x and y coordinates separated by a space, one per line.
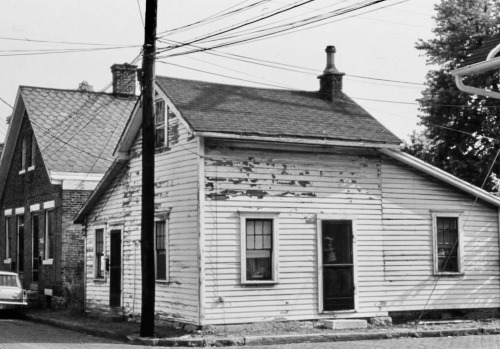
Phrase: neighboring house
pixel 58 146
pixel 285 205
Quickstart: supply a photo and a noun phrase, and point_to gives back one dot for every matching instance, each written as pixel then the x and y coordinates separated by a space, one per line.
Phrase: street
pixel 16 333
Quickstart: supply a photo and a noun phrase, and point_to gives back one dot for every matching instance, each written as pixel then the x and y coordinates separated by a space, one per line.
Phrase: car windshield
pixel 9 280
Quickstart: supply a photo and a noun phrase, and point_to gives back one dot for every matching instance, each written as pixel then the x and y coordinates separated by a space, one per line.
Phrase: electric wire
pixel 273 34
pixel 217 16
pixel 238 26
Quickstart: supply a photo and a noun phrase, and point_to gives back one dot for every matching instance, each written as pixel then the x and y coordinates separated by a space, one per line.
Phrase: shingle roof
pixel 211 107
pixel 76 131
pixel 485 45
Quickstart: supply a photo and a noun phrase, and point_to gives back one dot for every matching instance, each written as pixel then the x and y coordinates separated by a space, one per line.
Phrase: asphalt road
pixel 19 334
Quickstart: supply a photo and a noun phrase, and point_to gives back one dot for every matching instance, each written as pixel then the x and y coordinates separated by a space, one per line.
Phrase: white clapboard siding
pixel 408 198
pixel 176 193
pixel 297 185
pixel 391 203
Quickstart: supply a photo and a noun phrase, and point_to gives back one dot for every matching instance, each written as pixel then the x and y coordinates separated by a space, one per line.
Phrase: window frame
pixel 167 254
pixel 103 261
pixel 447 214
pixel 20 223
pixel 33 150
pixel 8 237
pixel 244 216
pixel 46 250
pixel 163 124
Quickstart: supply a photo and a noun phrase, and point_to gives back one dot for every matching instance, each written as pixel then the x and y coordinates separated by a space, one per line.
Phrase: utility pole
pixel 148 172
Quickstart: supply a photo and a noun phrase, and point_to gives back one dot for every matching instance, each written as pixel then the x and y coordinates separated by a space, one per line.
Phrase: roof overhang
pixel 116 167
pixel 11 139
pixel 75 180
pixel 296 140
pixel 442 175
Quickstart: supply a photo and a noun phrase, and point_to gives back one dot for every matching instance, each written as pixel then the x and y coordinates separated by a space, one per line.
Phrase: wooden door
pixel 338 267
pixel 115 269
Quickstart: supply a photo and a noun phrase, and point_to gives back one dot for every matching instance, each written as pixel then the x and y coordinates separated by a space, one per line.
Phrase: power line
pixel 56 42
pixel 41 52
pixel 140 13
pixel 214 17
pixel 252 21
pixel 292 68
pixel 276 32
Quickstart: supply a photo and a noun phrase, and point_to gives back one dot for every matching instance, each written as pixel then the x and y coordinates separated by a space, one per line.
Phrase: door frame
pixel 111 230
pixel 319 239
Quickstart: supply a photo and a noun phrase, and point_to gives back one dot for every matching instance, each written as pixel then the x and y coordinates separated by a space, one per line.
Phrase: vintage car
pixel 12 294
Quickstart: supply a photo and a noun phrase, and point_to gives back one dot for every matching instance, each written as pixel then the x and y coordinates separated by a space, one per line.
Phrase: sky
pixel 60 43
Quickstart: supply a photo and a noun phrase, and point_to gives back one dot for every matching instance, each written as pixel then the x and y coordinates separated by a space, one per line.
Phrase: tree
pixel 460 129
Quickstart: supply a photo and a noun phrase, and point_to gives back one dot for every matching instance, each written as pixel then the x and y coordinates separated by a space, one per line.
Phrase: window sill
pixel 47 261
pixel 259 282
pixel 99 281
pixel 22 171
pixel 7 261
pixel 339 312
pixel 164 282
pixel 450 274
pixel 161 149
pixel 31 168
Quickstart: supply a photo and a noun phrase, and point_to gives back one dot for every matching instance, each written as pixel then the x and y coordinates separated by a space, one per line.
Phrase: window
pixel 259 248
pixel 27 152
pixel 161 243
pixel 33 149
pixel 99 254
pixel 35 221
pixel 160 124
pixel 49 235
pixel 20 243
pixel 447 243
pixel 8 236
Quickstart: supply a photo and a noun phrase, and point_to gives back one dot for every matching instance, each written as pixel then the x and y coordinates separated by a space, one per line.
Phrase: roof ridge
pixel 67 90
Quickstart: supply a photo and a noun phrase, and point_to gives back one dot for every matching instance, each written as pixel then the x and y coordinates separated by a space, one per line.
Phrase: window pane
pixel 447 238
pixel 160 137
pixel 49 235
pixel 99 253
pixel 7 237
pixel 161 250
pixel 259 249
pixel 159 112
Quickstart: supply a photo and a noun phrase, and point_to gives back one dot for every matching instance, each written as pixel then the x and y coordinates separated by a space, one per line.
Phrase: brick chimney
pixel 330 83
pixel 123 79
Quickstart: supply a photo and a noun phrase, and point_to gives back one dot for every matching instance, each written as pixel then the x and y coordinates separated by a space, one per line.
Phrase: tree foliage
pixel 460 129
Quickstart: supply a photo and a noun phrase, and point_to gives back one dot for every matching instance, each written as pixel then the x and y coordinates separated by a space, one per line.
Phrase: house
pixel 285 205
pixel 57 148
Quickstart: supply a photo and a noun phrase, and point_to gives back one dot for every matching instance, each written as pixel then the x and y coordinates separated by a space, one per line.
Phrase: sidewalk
pixel 259 334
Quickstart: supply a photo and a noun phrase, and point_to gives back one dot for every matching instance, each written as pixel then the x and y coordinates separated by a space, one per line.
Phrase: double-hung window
pixel 49 235
pixel 447 238
pixel 259 248
pixel 160 124
pixel 20 243
pixel 99 262
pixel 161 250
pixel 8 236
pixel 28 152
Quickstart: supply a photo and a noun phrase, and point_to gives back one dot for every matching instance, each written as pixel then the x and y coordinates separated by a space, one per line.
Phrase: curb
pixel 73 326
pixel 267 340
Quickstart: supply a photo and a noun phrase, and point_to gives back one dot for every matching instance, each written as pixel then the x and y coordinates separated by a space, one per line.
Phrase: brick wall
pixel 31 188
pixel 72 239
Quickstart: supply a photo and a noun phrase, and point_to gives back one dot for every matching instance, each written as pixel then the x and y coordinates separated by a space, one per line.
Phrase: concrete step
pixel 345 324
